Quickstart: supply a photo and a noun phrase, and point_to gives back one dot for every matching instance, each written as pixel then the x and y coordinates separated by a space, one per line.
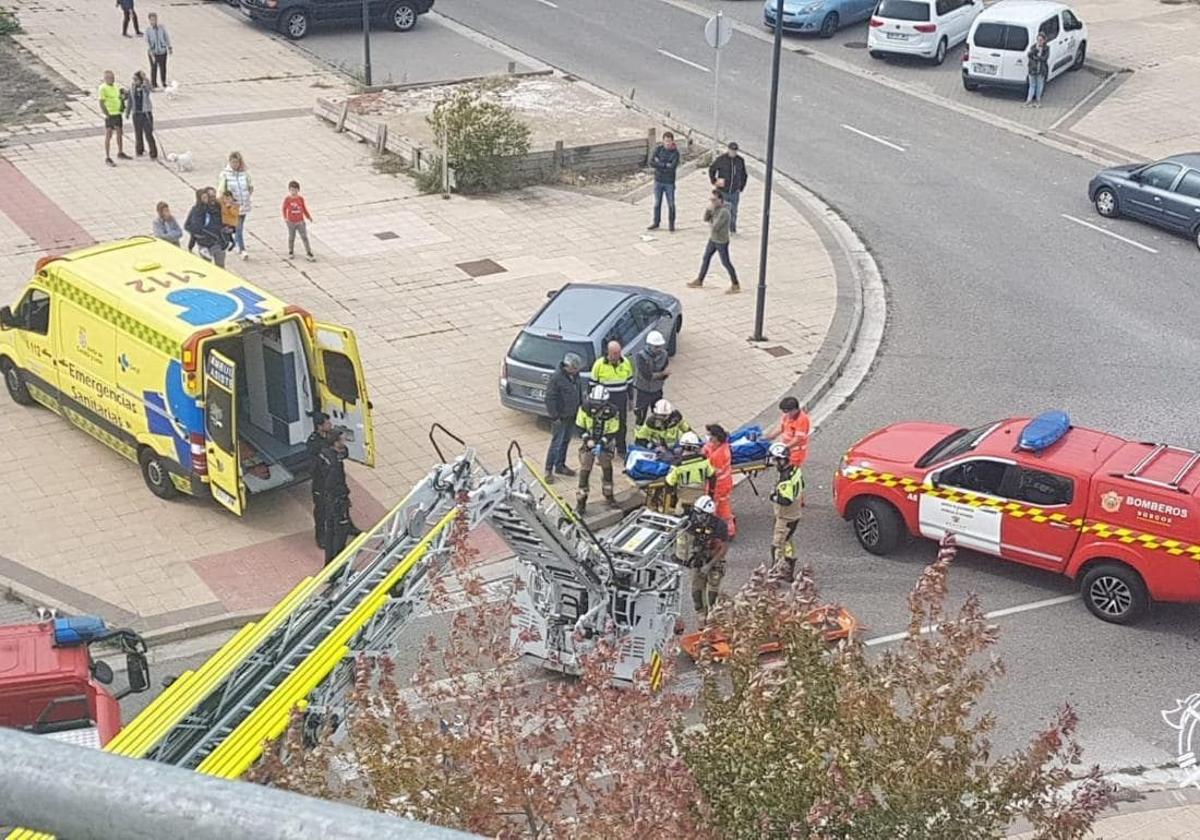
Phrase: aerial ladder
pixel 575 588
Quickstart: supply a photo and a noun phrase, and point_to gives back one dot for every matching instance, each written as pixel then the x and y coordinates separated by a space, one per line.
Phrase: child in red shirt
pixel 295 211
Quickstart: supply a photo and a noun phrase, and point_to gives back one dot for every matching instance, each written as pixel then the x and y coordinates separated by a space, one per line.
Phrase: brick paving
pixel 80 527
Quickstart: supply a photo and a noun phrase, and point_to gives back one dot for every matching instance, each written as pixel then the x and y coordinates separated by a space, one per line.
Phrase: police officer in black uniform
pixel 335 496
pixel 317 441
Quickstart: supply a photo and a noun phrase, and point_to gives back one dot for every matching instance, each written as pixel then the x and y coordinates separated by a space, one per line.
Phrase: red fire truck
pixel 50 683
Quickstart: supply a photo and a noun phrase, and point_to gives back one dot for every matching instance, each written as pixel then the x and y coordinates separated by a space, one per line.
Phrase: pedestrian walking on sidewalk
pixel 129 14
pixel 112 106
pixel 728 174
pixel 165 226
pixel 158 47
pixel 563 398
pixel 649 374
pixel 295 212
pixel 664 161
pixel 140 108
pixel 1039 69
pixel 717 215
pixel 235 179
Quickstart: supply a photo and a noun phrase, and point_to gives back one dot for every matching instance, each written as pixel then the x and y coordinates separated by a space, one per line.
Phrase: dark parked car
pixel 1166 193
pixel 581 318
pixel 294 18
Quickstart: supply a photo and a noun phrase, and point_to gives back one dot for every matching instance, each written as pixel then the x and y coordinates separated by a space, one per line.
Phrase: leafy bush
pixel 9 25
pixel 481 137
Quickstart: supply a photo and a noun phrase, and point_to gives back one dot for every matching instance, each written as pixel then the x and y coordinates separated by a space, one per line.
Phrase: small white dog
pixel 182 161
pixel 171 90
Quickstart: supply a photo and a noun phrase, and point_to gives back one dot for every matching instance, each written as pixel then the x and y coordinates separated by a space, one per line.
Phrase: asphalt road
pixel 999 305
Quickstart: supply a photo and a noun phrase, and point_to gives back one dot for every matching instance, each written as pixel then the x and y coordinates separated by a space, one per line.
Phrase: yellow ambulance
pixel 189 371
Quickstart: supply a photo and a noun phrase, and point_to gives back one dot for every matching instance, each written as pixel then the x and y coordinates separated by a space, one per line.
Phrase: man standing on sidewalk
pixel 615 372
pixel 728 174
pixel 563 399
pixel 665 161
pixel 718 216
pixel 158 47
pixel 650 374
pixel 112 106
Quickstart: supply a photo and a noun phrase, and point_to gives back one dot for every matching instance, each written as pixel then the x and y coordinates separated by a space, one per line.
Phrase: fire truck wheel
pixel 877 525
pixel 1114 593
pixel 154 473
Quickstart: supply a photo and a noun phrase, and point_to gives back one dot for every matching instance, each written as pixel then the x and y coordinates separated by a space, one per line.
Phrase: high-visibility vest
pixel 655 435
pixel 587 420
pixel 614 377
pixel 693 471
pixel 789 488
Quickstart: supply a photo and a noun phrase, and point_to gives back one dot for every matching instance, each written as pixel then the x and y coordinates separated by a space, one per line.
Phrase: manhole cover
pixel 481 268
pixel 777 351
pixel 387 234
pixel 855 45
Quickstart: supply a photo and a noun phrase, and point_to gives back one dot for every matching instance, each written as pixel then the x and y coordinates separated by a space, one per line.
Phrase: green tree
pixel 846 745
pixel 482 138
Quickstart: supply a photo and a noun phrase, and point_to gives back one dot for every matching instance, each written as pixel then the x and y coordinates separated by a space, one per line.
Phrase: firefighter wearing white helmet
pixel 709 541
pixel 649 374
pixel 691 478
pixel 598 424
pixel 787 500
pixel 663 427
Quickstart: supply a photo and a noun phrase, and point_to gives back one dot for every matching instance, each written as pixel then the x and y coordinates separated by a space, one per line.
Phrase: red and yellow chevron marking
pixel 1102 530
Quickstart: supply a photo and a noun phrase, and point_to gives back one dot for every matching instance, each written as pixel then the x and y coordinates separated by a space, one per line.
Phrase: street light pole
pixel 761 302
pixel 366 18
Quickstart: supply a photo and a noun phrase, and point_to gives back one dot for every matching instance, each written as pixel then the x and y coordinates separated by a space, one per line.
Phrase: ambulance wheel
pixel 1114 593
pixel 154 473
pixel 877 525
pixel 15 384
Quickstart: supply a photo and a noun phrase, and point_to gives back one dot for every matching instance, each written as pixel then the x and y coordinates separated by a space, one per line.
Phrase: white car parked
pixel 997 53
pixel 925 28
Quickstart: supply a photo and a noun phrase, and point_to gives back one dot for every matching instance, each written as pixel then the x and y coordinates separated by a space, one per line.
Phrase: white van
pixel 999 42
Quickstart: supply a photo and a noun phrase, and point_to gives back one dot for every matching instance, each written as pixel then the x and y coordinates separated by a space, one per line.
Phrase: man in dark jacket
pixel 650 374
pixel 204 224
pixel 562 404
pixel 728 174
pixel 317 441
pixel 664 161
pixel 335 493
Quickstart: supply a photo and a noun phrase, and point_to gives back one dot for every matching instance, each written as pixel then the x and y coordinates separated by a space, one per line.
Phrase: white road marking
pixel 1099 229
pixel 879 140
pixel 683 60
pixel 1020 608
pixel 548 3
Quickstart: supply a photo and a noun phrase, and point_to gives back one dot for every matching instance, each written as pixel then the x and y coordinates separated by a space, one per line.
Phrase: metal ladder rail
pixel 301 646
pixel 232 674
pixel 234 755
pixel 179 701
pixel 1153 455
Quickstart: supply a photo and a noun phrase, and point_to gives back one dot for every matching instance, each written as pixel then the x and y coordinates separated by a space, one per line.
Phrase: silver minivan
pixel 581 318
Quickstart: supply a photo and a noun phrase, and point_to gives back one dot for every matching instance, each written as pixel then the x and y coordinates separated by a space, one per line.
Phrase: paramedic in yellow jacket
pixel 787 499
pixel 663 427
pixel 598 426
pixel 689 479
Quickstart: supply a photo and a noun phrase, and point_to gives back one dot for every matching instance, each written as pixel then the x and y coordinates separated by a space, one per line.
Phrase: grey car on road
pixel 581 318
pixel 1165 193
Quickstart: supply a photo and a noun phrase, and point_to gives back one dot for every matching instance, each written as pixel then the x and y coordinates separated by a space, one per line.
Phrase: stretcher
pixel 661 498
pixel 834 623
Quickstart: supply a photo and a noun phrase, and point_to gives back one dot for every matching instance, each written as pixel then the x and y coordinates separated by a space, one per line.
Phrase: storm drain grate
pixel 777 351
pixel 387 234
pixel 855 45
pixel 481 268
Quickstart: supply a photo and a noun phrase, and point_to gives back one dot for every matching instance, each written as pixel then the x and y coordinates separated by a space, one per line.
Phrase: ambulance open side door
pixel 343 390
pixel 220 426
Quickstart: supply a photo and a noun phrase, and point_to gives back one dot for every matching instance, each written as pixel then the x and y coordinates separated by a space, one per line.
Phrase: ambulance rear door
pixel 343 390
pixel 220 427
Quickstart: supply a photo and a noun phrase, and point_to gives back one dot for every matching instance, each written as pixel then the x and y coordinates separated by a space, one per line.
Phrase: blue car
pixel 818 17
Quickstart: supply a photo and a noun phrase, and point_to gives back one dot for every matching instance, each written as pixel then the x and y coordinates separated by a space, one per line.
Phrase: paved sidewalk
pixel 1161 815
pixel 80 528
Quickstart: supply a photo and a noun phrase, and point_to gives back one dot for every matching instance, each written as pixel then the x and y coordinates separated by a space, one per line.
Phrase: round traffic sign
pixel 718 31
